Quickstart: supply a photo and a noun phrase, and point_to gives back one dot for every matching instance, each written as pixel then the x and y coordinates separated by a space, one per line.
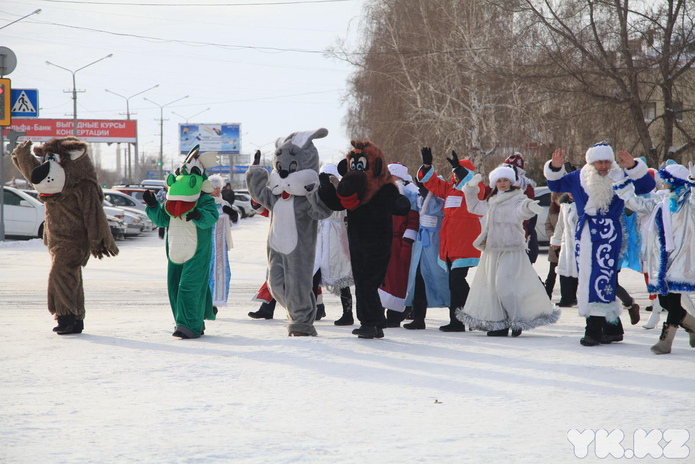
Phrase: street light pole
pixel 74 88
pixel 129 174
pixel 161 132
pixel 190 117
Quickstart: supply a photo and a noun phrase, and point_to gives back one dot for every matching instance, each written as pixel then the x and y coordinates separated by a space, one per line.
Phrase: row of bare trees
pixel 490 77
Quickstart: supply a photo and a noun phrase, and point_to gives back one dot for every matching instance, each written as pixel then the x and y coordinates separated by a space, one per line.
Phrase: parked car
pixel 133 224
pixel 148 225
pixel 118 227
pixel 120 199
pixel 23 214
pixel 543 197
pixel 134 191
pixel 153 184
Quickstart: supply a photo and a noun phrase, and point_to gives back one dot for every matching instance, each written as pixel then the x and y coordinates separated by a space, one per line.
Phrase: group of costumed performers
pixel 400 242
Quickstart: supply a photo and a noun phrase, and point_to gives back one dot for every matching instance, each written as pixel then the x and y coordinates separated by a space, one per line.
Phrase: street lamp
pixel 161 132
pixel 74 88
pixel 25 16
pixel 190 117
pixel 127 113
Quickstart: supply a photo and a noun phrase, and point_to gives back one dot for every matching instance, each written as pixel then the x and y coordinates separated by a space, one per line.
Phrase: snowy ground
pixel 126 391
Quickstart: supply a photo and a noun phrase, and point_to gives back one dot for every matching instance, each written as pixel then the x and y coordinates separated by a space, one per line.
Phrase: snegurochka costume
pixel 190 213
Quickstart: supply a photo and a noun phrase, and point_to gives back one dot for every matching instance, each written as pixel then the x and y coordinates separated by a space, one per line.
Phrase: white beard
pixel 598 187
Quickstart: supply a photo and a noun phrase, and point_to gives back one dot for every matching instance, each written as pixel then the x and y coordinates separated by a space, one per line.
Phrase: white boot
pixel 668 333
pixel 656 315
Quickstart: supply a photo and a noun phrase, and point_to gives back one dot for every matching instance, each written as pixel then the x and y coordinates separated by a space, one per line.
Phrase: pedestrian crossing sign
pixel 25 103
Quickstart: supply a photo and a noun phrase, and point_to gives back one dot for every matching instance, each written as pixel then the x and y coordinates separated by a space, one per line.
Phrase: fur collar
pixel 501 197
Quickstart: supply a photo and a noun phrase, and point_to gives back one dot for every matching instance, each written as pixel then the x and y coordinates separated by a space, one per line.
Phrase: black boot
pixel 69 325
pixel 369 332
pixel 498 333
pixel 266 311
pixel 320 311
pixel 345 319
pixel 409 313
pixel 346 301
pixel 593 331
pixel 454 324
pixel 417 324
pixel 394 318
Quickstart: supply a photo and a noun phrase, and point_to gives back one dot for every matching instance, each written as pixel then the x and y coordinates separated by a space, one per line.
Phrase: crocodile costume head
pixel 188 181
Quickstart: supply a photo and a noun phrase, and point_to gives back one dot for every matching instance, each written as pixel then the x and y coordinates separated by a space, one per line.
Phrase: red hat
pixel 517 159
pixel 466 163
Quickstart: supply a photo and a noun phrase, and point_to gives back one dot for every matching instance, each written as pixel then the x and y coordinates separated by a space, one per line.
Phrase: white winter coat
pixel 504 213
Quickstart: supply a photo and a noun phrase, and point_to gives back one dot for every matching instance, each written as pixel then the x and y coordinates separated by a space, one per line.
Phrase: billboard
pixel 88 130
pixel 221 138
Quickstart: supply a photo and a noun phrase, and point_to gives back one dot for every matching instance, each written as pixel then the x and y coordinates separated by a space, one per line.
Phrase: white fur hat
pixel 678 171
pixel 216 180
pixel 401 171
pixel 502 172
pixel 600 152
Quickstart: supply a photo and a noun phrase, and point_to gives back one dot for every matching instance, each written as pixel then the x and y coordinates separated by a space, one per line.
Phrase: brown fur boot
pixel 668 333
pixel 688 323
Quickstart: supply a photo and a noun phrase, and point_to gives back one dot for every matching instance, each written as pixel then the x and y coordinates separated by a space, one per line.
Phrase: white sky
pixel 271 93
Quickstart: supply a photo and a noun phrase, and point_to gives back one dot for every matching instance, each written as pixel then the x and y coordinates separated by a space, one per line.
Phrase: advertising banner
pixel 88 130
pixel 221 138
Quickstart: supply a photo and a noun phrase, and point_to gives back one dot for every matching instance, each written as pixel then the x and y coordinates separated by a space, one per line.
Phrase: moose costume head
pixel 364 172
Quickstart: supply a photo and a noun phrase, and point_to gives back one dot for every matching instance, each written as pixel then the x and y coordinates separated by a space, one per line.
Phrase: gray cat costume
pixel 291 194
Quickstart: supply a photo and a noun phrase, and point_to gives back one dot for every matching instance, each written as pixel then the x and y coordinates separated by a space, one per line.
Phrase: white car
pixel 120 199
pixel 23 214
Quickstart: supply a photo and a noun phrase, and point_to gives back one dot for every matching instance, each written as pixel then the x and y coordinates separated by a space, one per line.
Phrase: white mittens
pixel 535 207
pixel 475 181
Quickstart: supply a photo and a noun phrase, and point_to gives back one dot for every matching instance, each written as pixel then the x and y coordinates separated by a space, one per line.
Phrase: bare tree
pixel 623 55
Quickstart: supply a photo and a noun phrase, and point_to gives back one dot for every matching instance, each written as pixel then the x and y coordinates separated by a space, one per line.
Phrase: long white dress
pixel 220 272
pixel 506 291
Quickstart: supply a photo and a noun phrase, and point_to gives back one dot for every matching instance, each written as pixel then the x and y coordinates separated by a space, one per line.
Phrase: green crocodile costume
pixel 189 212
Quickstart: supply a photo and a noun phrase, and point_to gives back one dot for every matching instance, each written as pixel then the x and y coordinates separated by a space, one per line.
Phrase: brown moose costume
pixel 75 226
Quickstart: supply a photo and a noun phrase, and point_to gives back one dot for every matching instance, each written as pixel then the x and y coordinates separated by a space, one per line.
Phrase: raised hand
pixel 426 153
pixel 475 180
pixel 625 160
pixel 149 198
pixel 257 158
pixel 454 160
pixel 558 158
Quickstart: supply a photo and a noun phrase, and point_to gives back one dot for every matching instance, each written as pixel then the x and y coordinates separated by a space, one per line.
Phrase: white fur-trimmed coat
pixel 504 213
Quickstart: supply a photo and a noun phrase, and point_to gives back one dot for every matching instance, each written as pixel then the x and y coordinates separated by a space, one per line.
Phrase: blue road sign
pixel 25 103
